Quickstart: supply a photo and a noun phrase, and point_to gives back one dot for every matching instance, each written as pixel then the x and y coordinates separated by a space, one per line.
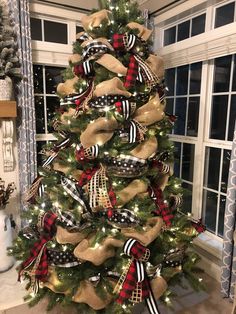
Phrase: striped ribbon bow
pixel 134 284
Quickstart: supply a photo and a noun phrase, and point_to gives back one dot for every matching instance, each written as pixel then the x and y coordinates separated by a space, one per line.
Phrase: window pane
pixel 187 202
pixel 198 25
pixel 40 145
pixel 183 30
pixel 38 79
pixel 221 216
pixel 53 103
pixel 234 75
pixel 188 162
pixel 55 32
pixel 225 170
pixel 218 117
pixel 36 29
pixel 169 105
pixel 170 81
pixel 182 80
pixel 177 156
pixel 232 118
pixel 169 36
pixel 79 29
pixel 224 15
pixel 195 78
pixel 39 113
pixel 222 74
pixel 53 78
pixel 193 113
pixel 180 112
pixel 212 168
pixel 210 209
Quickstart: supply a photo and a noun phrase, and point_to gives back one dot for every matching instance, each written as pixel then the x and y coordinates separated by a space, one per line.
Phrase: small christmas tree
pixel 9 57
pixel 106 230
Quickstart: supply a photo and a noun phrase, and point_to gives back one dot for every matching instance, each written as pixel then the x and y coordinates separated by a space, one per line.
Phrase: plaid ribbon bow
pixel 132 72
pixel 84 154
pixel 162 208
pixel 134 283
pixel 38 254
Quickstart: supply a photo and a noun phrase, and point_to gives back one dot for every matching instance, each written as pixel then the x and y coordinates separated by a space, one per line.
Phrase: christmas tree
pixel 106 229
pixel 9 58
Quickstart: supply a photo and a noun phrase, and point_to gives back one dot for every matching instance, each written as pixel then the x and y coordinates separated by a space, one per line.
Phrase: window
pixel 184 30
pixel 46 78
pixel 201 78
pixel 225 14
pixel 53 31
pixel 49 31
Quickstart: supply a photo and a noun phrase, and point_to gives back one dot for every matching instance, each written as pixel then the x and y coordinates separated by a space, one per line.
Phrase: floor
pixel 187 302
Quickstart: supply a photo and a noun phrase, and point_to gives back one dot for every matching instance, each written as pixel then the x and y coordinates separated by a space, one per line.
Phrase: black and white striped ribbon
pixel 127 108
pixel 91 152
pixel 87 67
pixel 165 168
pixel 129 41
pixel 73 190
pixel 133 132
pixel 57 147
pixel 151 303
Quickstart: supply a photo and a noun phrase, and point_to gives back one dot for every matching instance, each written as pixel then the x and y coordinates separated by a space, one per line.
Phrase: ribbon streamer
pixel 62 259
pixel 95 49
pixel 38 254
pixel 162 208
pixel 134 284
pixel 97 187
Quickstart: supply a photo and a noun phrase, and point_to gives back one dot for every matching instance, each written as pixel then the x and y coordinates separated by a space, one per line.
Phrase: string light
pixel 103 229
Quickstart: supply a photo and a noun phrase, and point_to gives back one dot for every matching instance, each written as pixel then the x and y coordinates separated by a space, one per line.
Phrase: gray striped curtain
pixel 25 97
pixel 228 270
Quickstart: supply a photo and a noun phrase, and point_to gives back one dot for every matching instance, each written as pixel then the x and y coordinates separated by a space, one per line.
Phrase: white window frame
pixel 53 54
pixel 203 48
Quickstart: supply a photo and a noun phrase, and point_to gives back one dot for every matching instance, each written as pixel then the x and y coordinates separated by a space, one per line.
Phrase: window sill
pixel 210 243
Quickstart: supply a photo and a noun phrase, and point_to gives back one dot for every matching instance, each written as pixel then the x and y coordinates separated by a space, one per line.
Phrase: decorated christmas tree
pixel 106 228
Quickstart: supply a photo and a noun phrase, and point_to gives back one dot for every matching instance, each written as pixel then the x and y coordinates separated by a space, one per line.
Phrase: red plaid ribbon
pixel 86 176
pixel 162 209
pixel 132 72
pixel 38 253
pixel 136 273
pixel 118 42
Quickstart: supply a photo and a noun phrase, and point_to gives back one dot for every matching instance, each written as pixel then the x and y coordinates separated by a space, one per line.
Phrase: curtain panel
pixel 26 130
pixel 228 270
